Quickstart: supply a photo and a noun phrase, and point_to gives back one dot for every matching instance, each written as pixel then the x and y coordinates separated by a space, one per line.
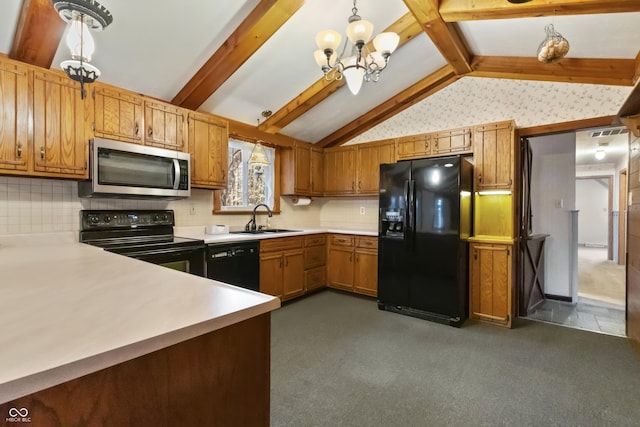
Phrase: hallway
pixel 601 297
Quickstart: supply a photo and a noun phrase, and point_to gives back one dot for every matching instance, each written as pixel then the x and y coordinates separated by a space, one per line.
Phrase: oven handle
pixel 160 251
pixel 176 174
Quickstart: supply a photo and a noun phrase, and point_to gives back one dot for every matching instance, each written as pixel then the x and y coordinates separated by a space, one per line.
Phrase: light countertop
pixel 198 233
pixel 68 309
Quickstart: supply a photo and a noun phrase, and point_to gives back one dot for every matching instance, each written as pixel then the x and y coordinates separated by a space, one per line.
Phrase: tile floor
pixel 590 315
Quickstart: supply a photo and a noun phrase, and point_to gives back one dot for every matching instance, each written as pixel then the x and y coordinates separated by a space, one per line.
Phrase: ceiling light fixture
pixel 83 16
pixel 258 156
pixel 601 151
pixel 361 65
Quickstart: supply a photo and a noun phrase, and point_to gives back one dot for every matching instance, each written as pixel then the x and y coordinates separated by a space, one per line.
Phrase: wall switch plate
pixel 361 210
pixel 559 203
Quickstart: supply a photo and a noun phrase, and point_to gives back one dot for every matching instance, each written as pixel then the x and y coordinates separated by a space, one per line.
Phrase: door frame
pixel 622 216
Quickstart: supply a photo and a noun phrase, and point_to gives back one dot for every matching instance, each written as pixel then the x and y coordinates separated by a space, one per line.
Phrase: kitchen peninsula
pixel 90 337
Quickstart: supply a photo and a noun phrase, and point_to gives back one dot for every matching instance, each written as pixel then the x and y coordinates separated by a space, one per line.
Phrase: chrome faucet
pixel 251 225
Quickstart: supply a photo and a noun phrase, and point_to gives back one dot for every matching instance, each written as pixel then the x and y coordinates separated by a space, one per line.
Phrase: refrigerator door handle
pixel 412 209
pixel 407 214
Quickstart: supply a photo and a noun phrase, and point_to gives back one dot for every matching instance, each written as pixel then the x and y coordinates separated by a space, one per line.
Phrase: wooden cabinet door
pixel 302 173
pixel 293 278
pixel 317 171
pixel 15 97
pixel 165 126
pixel 117 114
pixel 414 147
pixel 208 145
pixel 271 269
pixel 340 171
pixel 366 272
pixel 315 278
pixel 490 296
pixel 60 146
pixel 494 156
pixel 340 264
pixel 452 142
pixel 369 160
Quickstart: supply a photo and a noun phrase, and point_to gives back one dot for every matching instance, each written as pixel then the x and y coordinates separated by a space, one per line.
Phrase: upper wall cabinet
pixel 414 147
pixel 15 96
pixel 165 125
pixel 494 156
pixel 301 171
pixel 457 141
pixel 340 171
pixel 370 157
pixel 117 114
pixel 59 140
pixel 209 146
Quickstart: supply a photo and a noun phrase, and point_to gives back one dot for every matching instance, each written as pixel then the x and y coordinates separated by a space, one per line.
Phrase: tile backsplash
pixel 34 205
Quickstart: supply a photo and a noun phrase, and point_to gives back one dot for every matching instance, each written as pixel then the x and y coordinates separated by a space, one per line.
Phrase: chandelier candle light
pixel 82 15
pixel 361 65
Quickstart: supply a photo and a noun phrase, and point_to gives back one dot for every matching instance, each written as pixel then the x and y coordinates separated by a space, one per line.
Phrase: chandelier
pixel 356 64
pixel 82 16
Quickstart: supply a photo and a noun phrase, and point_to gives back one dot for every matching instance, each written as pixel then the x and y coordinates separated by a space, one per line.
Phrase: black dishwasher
pixel 235 263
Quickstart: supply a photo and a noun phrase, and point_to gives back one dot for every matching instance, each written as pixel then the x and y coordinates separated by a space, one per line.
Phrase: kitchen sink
pixel 269 231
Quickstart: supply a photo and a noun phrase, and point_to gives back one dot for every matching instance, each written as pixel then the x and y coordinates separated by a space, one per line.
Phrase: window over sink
pixel 248 185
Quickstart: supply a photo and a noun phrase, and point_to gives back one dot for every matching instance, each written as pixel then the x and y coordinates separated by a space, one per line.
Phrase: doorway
pixel 563 163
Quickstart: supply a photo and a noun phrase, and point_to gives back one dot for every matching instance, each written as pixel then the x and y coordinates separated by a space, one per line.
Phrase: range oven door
pixel 188 260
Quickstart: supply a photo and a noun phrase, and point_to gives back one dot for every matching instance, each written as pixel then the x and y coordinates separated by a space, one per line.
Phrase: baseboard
pixel 558 297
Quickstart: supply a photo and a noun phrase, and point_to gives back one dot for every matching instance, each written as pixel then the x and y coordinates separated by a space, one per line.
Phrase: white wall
pixel 31 205
pixel 552 185
pixel 592 202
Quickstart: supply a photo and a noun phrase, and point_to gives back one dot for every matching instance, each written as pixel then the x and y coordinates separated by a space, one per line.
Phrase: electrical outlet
pixel 361 210
pixel 192 209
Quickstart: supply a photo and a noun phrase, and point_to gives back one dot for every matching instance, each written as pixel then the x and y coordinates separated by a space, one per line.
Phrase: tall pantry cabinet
pixel 491 294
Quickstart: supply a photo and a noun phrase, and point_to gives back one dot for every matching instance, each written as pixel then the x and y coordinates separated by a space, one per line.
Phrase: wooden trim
pixel 604 71
pixel 405 99
pixel 566 126
pixel 250 133
pixel 265 19
pixel 406 27
pixel 38 33
pixel 466 10
pixel 622 216
pixel 636 75
pixel 445 36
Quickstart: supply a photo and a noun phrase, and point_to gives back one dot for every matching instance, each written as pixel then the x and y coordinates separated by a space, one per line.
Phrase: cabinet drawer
pixel 367 242
pixel 315 240
pixel 315 257
pixel 342 240
pixel 280 244
pixel 315 278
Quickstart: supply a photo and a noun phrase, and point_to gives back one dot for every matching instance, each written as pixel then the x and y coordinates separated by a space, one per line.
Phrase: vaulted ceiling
pixel 238 58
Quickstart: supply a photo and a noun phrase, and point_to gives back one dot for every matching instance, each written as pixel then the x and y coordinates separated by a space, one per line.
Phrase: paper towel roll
pixel 301 201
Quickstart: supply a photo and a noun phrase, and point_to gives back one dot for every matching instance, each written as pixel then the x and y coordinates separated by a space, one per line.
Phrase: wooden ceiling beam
pixel 444 35
pixel 618 72
pixel 263 21
pixel 468 10
pixel 245 132
pixel 38 33
pixel 574 125
pixel 411 96
pixel 406 27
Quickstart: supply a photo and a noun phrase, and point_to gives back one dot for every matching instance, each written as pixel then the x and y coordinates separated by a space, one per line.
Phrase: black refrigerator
pixel 426 211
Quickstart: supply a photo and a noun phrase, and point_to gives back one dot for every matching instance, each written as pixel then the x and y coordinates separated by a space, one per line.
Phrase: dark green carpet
pixel 337 360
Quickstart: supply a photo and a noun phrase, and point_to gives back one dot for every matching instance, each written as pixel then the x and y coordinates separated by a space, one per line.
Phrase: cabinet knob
pixel 19 150
pixel 479 177
pixel 149 132
pixel 41 153
pixel 137 128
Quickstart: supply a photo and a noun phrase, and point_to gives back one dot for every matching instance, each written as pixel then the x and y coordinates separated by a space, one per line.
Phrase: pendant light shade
pixel 359 31
pixel 258 156
pixel 386 43
pixel 328 39
pixel 79 39
pixel 353 74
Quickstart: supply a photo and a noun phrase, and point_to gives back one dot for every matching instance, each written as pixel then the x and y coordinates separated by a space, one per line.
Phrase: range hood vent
pixel 608 132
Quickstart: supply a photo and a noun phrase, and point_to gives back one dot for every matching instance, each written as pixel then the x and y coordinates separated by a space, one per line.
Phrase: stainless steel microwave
pixel 120 169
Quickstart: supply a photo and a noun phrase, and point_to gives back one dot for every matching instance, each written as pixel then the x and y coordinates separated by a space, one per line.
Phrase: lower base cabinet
pixel 491 294
pixel 352 263
pixel 315 262
pixel 282 267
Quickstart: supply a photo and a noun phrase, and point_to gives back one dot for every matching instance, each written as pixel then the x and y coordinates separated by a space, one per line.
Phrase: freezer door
pixel 394 272
pixel 433 283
